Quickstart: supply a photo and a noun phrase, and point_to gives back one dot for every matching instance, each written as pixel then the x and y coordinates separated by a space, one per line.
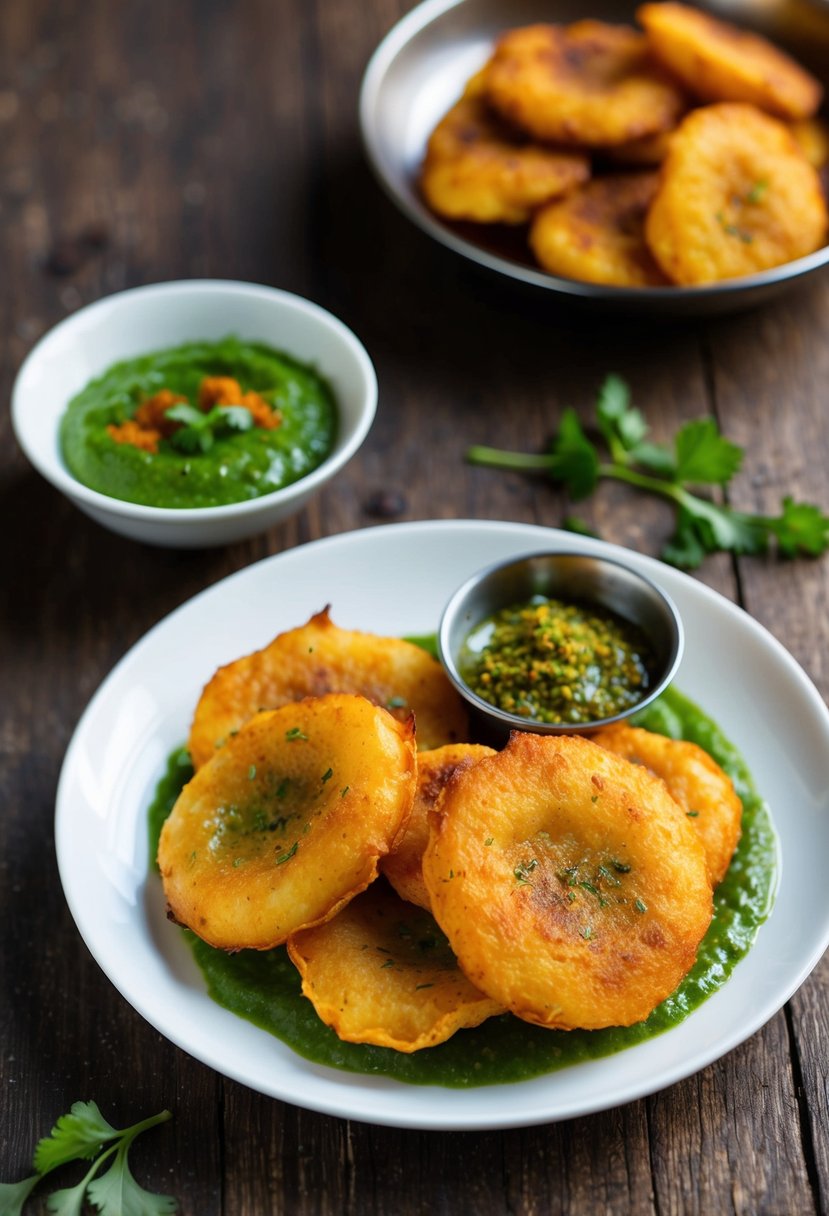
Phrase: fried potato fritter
pixel 704 792
pixel 589 84
pixel 318 658
pixel 287 821
pixel 382 972
pixel 571 887
pixel 597 234
pixel 403 866
pixel 736 196
pixel 479 168
pixel 719 62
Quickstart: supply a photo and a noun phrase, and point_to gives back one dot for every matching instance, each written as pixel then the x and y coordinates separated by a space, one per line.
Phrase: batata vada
pixel 403 865
pixel 589 84
pixel 719 62
pixel 736 196
pixel 569 885
pixel 597 234
pixel 705 793
pixel 318 658
pixel 479 168
pixel 382 972
pixel 287 821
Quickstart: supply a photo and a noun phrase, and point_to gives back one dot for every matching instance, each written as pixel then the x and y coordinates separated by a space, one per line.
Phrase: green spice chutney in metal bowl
pixel 555 661
pixel 559 643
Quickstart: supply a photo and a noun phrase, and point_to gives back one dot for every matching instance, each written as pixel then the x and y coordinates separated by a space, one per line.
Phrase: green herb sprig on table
pixel 84 1134
pixel 700 456
pixel 199 430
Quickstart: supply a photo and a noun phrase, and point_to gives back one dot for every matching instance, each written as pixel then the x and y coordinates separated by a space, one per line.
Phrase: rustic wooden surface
pixel 150 141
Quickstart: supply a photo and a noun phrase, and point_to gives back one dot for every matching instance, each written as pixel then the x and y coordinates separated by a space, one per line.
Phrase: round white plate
pixel 396 580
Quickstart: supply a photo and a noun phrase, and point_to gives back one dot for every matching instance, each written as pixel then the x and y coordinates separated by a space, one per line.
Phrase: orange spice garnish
pixel 144 437
pixel 150 423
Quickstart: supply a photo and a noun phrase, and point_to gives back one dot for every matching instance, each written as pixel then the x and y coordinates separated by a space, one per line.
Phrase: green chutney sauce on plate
pixel 264 987
pixel 276 425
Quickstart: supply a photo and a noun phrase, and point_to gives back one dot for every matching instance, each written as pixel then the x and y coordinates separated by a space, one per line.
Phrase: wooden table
pixel 143 142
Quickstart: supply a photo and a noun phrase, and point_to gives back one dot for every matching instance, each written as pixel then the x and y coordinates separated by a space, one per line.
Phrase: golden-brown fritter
pixel 705 793
pixel 479 168
pixel 571 887
pixel 597 234
pixel 382 972
pixel 719 62
pixel 589 84
pixel 317 658
pixel 736 196
pixel 403 866
pixel 287 821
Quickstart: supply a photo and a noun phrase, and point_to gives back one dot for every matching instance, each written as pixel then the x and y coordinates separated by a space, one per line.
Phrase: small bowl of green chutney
pixel 194 413
pixel 558 643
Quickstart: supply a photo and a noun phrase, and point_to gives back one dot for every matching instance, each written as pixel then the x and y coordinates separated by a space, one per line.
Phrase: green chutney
pixel 264 987
pixel 238 465
pixel 548 660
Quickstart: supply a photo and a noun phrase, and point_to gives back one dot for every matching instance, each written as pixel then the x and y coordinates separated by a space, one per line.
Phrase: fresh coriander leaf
pixel 186 414
pixel 234 417
pixel 684 549
pixel 574 459
pixel 81 1133
pixel 14 1194
pixel 720 528
pixel 703 455
pixel 801 528
pixel 70 1201
pixel 655 458
pixel 618 422
pixel 116 1193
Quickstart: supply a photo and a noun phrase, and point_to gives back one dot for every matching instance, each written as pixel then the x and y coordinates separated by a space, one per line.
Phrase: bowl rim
pixel 515 721
pixel 60 477
pixel 382 59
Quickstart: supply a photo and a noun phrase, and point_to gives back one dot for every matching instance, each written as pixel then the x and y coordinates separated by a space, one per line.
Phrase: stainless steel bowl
pixel 583 577
pixel 419 70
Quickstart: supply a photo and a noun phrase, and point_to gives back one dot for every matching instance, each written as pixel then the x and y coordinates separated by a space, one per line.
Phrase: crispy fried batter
pixel 704 792
pixel 812 137
pixel 719 62
pixel 597 234
pixel 403 865
pixel 287 821
pixel 571 887
pixel 480 168
pixel 587 84
pixel 143 437
pixel 382 972
pixel 318 658
pixel 736 196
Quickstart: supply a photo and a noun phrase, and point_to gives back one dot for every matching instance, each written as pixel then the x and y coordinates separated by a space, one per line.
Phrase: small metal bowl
pixel 570 576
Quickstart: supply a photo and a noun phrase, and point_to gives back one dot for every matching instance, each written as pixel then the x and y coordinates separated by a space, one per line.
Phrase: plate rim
pixel 395 1115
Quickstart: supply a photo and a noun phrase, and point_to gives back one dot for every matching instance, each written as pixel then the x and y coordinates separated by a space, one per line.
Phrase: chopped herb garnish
pixel 757 191
pixel 621 867
pixel 295 733
pixel 640 905
pixel 252 772
pixel 489 840
pixel 283 857
pixel 396 703
pixel 699 456
pixel 327 775
pixel 692 814
pixel 523 870
pixel 587 933
pixel 388 963
pixel 419 986
pixel 282 788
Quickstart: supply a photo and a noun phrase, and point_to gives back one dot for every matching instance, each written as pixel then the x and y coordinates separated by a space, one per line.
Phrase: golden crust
pixel 589 84
pixel 704 792
pixel 381 972
pixel 736 196
pixel 403 866
pixel 571 887
pixel 287 821
pixel 479 168
pixel 719 62
pixel 319 658
pixel 597 234
pixel 812 137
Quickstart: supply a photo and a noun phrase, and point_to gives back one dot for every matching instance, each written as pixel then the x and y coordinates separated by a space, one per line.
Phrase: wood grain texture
pixel 150 141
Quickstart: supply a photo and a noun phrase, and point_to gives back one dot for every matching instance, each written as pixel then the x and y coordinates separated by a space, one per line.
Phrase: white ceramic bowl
pixel 151 318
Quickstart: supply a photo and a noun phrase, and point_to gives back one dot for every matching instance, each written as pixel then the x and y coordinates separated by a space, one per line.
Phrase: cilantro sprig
pixel 699 457
pixel 199 430
pixel 85 1135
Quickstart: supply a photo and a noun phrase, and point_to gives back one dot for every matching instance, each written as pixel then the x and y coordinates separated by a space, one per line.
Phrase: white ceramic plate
pixel 396 580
